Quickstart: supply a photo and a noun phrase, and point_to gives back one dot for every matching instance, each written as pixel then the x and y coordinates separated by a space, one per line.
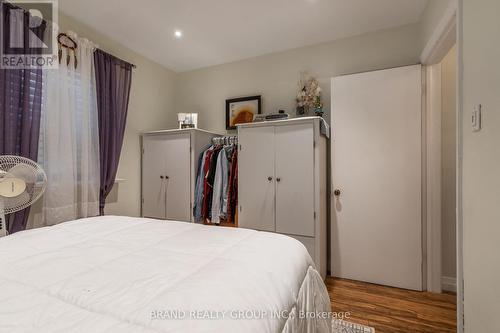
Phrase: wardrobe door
pixel 294 179
pixel 256 178
pixel 153 187
pixel 178 177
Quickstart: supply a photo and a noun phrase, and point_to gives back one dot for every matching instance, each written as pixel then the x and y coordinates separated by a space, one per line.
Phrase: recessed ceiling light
pixel 178 33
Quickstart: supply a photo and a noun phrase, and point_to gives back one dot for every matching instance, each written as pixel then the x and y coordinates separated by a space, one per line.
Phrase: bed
pixel 123 274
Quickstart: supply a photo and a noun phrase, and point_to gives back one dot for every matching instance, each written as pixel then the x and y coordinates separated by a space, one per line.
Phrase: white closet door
pixel 153 187
pixel 177 177
pixel 295 180
pixel 256 178
pixel 376 163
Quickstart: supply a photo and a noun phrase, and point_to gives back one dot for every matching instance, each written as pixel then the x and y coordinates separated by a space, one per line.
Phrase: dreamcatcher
pixel 65 41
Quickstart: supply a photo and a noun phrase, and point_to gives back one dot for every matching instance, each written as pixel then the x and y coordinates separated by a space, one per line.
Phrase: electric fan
pixel 22 182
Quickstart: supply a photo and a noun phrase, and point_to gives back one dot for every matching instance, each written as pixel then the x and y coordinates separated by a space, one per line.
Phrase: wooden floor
pixel 391 310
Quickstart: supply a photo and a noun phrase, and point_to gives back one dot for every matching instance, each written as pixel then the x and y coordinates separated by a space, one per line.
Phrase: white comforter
pixel 122 274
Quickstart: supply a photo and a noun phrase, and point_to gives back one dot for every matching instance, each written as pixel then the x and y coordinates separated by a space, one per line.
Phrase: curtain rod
pixel 131 64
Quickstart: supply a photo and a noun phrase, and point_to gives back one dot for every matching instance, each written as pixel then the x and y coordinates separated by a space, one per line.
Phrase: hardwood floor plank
pixel 393 310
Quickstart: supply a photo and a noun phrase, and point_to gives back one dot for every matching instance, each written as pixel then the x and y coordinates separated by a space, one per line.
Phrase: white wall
pixel 275 76
pixel 481 165
pixel 448 163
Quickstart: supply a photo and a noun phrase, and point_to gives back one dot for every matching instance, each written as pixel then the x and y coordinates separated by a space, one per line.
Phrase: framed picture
pixel 242 110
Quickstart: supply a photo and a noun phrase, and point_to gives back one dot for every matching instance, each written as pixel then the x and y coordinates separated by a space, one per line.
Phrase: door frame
pixel 445 35
pixel 431 180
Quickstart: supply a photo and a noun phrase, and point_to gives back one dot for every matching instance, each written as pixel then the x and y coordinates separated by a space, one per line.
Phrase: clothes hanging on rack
pixel 232 195
pixel 229 150
pixel 210 182
pixel 199 187
pixel 215 200
pixel 219 187
pixel 206 187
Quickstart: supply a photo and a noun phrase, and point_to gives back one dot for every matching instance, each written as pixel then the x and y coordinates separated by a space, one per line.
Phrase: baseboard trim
pixel 449 284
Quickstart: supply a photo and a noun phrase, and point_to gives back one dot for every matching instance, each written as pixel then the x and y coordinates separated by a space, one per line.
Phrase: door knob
pixel 336 192
pixel 270 179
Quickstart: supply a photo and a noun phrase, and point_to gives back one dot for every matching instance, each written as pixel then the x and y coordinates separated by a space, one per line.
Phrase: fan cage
pixel 31 173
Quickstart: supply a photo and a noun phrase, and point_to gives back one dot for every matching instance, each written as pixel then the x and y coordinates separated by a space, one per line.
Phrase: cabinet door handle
pixel 270 179
pixel 167 177
pixel 161 177
pixel 278 179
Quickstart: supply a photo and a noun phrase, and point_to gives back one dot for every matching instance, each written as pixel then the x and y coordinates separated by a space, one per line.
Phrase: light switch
pixel 477 118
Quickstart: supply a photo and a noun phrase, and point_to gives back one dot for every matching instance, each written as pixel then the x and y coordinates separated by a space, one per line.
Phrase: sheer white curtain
pixel 69 139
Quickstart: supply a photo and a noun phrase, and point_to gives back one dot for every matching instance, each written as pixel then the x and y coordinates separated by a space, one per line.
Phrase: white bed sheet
pixel 123 274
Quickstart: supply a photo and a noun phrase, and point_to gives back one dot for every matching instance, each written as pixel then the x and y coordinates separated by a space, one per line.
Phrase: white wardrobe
pixel 169 164
pixel 282 174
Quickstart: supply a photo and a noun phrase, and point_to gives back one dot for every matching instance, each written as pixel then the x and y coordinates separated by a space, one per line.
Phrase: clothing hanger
pixel 225 140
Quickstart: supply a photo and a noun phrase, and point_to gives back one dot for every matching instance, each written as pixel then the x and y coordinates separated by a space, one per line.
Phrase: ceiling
pixel 221 31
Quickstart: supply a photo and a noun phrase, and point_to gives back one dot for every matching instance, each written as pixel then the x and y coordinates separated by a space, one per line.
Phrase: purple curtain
pixel 20 108
pixel 113 81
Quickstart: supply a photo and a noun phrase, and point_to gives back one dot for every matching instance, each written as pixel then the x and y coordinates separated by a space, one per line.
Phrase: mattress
pixel 123 274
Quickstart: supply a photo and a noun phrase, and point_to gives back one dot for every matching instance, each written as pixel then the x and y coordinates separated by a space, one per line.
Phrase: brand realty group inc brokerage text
pixel 244 314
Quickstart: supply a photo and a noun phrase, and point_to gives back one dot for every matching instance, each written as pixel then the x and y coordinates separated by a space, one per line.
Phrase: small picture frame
pixel 242 110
